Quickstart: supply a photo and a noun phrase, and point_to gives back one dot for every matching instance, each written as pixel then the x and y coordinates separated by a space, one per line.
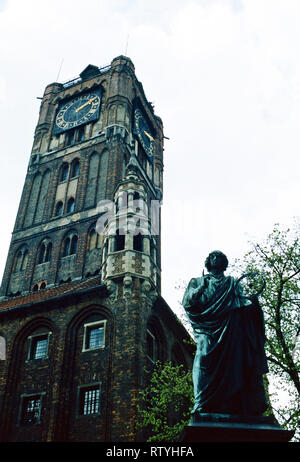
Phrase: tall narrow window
pixel 44 254
pixel 70 137
pixel 73 247
pixel 71 205
pixel 90 196
pixel 42 197
pixel 89 400
pixel 48 252
pixel 93 240
pixel 75 168
pixel 25 260
pixel 21 259
pixel 151 346
pixel 80 134
pixel 69 246
pixel 138 242
pixel 18 261
pixel 119 240
pixel 64 172
pixel 59 209
pixel 66 247
pixel 42 251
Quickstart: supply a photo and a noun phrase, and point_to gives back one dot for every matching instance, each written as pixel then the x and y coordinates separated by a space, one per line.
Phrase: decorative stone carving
pixel 112 288
pixel 127 286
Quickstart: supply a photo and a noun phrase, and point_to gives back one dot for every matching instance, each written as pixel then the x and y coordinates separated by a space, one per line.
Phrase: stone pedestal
pixel 234 428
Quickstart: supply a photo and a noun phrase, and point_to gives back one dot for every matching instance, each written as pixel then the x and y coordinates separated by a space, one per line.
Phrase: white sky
pixel 224 76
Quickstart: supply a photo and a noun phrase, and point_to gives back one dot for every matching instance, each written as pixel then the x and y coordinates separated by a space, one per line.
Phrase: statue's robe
pixel 230 358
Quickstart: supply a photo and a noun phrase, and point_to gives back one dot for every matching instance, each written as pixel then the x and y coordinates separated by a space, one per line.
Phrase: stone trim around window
pixel 90 343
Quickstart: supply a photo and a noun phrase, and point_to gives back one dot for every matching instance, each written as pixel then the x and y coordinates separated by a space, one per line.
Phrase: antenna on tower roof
pixel 59 69
pixel 126 48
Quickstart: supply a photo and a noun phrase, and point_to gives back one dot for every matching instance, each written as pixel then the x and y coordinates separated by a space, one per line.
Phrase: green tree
pixel 165 404
pixel 277 259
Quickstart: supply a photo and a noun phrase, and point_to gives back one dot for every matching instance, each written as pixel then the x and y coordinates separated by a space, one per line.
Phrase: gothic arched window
pixel 71 205
pixel 73 246
pixel 64 172
pixel 48 252
pixel 21 259
pixel 94 240
pixel 69 245
pixel 59 209
pixel 45 251
pixel 75 168
pixel 18 261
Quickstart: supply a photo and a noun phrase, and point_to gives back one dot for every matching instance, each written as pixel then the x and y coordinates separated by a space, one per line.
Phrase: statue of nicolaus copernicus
pixel 229 330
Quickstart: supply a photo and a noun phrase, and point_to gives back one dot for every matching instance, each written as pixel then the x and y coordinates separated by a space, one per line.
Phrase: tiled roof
pixel 44 294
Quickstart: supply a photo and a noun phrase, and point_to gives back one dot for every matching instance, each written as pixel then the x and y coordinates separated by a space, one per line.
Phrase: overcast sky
pixel 224 76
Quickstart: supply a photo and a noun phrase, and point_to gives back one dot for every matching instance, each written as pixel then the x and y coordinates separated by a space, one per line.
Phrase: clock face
pixel 144 133
pixel 78 111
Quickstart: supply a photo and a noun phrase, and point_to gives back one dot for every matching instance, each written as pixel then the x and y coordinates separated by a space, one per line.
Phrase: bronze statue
pixel 229 330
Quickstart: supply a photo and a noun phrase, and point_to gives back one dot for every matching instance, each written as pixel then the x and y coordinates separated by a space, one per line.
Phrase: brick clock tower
pixel 81 312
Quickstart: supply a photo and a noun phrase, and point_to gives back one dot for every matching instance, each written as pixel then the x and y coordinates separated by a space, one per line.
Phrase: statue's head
pixel 216 260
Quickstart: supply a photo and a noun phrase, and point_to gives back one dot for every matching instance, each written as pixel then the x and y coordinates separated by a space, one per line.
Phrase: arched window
pixel 45 251
pixel 70 245
pixel 64 172
pixel 66 247
pixel 25 260
pixel 151 346
pixel 43 285
pixel 73 247
pixel 21 259
pixel 18 261
pixel 59 209
pixel 33 200
pixel 156 344
pixel 94 241
pixel 42 197
pixel 48 252
pixel 93 173
pixel 75 168
pixel 71 205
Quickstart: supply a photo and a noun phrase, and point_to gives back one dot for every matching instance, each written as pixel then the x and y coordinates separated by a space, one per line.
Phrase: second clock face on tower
pixel 144 133
pixel 77 111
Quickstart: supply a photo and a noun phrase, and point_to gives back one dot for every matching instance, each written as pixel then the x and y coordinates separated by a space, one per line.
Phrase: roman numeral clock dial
pixel 144 133
pixel 78 111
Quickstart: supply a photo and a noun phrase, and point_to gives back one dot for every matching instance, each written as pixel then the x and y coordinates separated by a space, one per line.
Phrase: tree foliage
pixel 278 261
pixel 165 404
